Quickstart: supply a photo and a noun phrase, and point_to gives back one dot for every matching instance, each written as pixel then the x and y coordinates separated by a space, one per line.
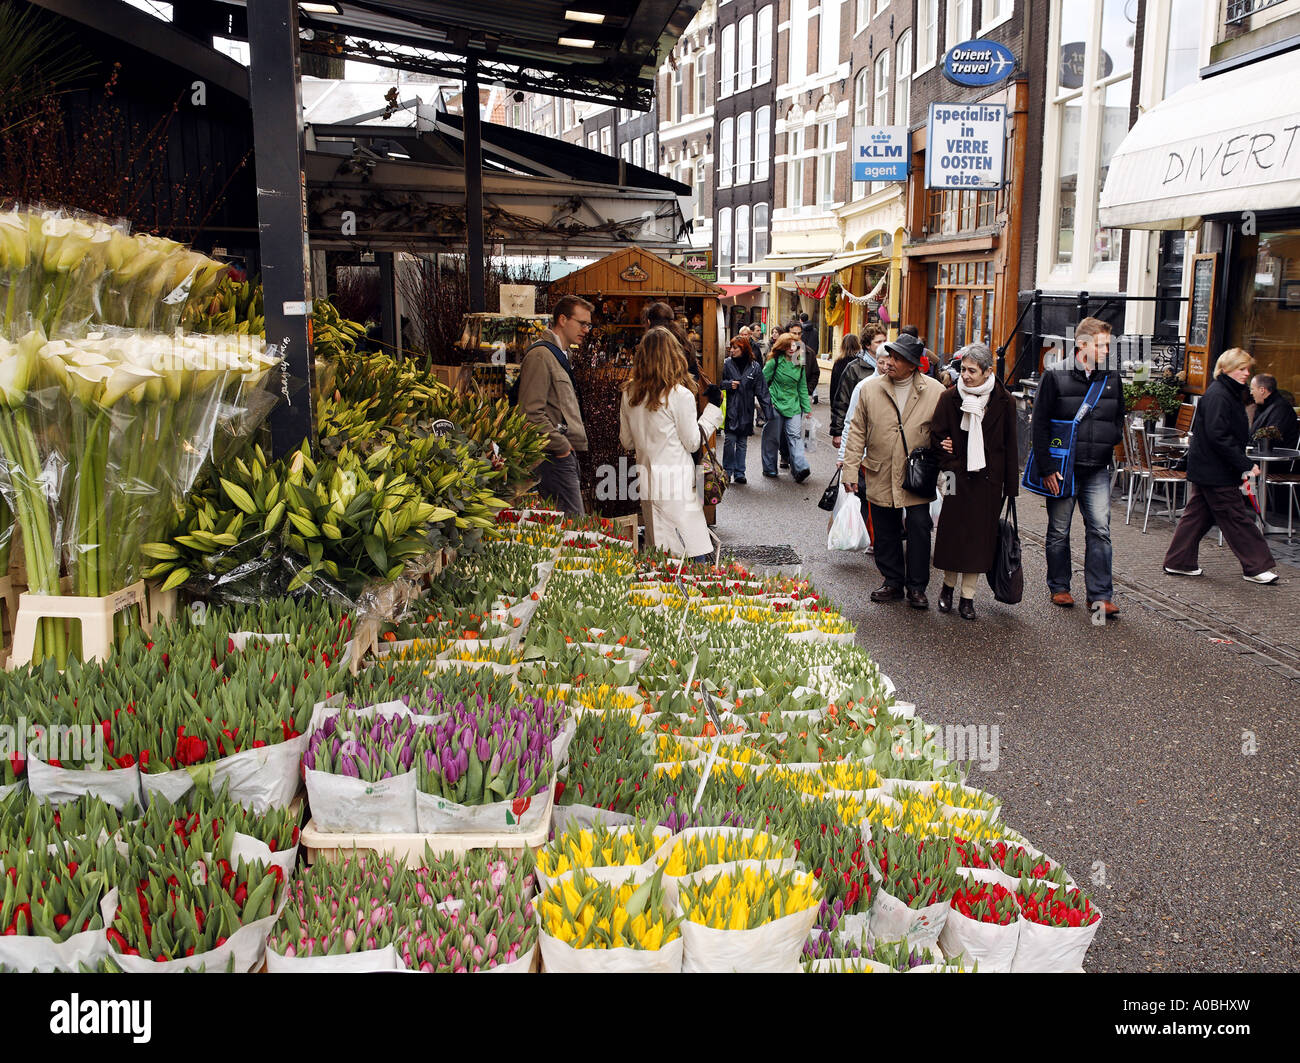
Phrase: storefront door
pixel 1265 308
pixel 961 306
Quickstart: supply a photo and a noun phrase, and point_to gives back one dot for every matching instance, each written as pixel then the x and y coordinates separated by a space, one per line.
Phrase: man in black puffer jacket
pixel 1060 396
pixel 1216 465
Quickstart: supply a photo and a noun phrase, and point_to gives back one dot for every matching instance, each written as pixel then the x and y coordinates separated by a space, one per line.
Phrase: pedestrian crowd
pixel 916 437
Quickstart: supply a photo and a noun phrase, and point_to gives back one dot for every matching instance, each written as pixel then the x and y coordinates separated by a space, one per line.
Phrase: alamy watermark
pixel 627 482
pixel 71 745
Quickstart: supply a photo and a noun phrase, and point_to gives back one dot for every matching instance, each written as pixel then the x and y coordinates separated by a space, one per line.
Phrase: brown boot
pixel 1063 599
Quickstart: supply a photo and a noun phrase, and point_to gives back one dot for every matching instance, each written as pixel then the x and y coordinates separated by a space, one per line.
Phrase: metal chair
pixel 1150 474
pixel 1291 481
pixel 1184 421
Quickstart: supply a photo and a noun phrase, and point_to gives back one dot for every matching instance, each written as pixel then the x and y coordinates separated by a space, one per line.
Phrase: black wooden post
pixel 282 212
pixel 473 190
pixel 390 321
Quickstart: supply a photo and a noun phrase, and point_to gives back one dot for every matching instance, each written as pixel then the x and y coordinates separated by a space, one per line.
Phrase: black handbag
pixel 1006 578
pixel 921 473
pixel 831 494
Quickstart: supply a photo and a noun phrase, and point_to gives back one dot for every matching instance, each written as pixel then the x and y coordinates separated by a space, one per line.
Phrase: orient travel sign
pixel 978 63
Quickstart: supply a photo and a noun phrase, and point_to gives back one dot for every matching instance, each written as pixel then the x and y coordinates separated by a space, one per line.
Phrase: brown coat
pixel 547 398
pixel 967 538
pixel 875 430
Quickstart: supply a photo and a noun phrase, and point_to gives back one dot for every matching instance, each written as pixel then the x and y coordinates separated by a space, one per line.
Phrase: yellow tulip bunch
pixel 599 846
pixel 419 650
pixel 834 624
pixel 748 898
pixel 802 782
pixel 587 914
pixel 974 828
pixel 704 849
pixel 966 798
pixel 846 775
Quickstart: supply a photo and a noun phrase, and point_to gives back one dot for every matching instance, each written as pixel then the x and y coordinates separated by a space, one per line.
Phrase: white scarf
pixel 974 401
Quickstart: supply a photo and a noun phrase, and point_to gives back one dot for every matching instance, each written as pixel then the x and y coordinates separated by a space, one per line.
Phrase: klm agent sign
pixel 880 153
pixel 965 145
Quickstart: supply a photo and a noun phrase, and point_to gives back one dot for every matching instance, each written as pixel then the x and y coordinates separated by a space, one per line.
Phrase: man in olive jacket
pixel 548 396
pixel 892 418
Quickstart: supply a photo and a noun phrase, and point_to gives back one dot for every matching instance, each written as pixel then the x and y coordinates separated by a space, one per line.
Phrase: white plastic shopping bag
pixel 848 529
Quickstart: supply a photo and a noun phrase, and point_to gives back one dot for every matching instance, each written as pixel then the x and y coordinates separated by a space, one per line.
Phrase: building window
pixel 927 33
pixel 651 159
pixel 727 84
pixel 701 83
pixel 881 110
pixel 826 164
pixel 593 141
pixel 625 151
pixel 962 304
pixel 724 244
pixel 636 152
pixel 675 97
pixel 794 171
pixel 1184 45
pixel 995 12
pixel 961 14
pixel 607 140
pixel 903 79
pixel 744 149
pixel 745 54
pixel 726 146
pixel 701 186
pixel 861 16
pixel 763 46
pixel 861 117
pixel 828 45
pixel 762 142
pixel 569 121
pixel 760 232
pixel 742 236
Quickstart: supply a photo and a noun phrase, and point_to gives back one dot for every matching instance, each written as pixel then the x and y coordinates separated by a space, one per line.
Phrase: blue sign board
pixel 880 153
pixel 978 63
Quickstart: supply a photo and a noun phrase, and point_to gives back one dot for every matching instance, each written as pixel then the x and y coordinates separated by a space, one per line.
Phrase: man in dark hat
pixel 891 418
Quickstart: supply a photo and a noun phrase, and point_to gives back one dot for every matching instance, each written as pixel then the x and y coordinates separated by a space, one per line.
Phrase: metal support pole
pixel 1037 346
pixel 473 190
pixel 389 318
pixel 282 212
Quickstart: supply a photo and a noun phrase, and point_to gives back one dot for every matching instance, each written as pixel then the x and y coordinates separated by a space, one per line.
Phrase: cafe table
pixel 1273 457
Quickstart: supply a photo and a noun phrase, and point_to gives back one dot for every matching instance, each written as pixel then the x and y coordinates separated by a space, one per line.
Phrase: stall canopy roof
pixel 841 261
pixel 777 263
pixel 734 290
pixel 1225 145
pixel 523 44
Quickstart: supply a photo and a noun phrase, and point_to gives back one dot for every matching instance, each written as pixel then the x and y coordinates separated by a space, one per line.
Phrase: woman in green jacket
pixel 787 383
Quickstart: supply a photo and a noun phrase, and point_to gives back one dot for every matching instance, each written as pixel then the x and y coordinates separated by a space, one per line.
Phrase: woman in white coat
pixel 657 419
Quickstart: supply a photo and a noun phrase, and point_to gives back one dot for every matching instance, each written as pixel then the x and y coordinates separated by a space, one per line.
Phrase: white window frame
pixel 701 83
pixel 727 65
pixel 825 190
pixel 744 147
pixel 959 12
pixel 593 141
pixel 926 33
pixel 636 152
pixel 903 79
pixel 762 142
pixel 862 82
pixel 861 16
pixel 726 151
pixel 625 151
pixel 828 58
pixel 700 186
pixel 763 46
pixel 741 233
pixel 745 53
pixel 763 229
pixel 997 19
pixel 722 240
pixel 675 94
pixel 606 141
pixel 880 88
pixel 651 159
pixel 795 141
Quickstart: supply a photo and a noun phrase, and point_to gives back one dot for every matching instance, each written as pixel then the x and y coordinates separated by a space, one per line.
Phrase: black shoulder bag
pixel 1006 578
pixel 921 473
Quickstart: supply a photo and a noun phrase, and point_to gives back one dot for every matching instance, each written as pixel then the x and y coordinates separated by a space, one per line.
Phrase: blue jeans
pixel 791 430
pixel 733 454
pixel 1092 488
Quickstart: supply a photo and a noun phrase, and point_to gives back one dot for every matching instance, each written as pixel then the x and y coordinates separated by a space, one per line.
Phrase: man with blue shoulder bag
pixel 1078 420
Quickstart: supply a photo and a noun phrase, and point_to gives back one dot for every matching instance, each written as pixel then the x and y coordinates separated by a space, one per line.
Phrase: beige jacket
pixel 875 442
pixel 548 400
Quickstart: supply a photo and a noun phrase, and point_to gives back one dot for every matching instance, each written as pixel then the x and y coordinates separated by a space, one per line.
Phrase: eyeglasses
pixel 586 326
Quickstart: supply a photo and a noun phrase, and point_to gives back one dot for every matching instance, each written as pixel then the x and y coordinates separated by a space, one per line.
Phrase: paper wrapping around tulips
pixel 262 778
pixel 773 948
pixel 43 956
pixel 520 815
pixel 117 787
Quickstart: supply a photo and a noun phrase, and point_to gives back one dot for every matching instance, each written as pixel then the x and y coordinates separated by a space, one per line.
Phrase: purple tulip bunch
pixel 487 752
pixel 368 749
pixel 677 816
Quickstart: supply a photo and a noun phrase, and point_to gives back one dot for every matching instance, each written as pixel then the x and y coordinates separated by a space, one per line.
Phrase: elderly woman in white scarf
pixel 974 432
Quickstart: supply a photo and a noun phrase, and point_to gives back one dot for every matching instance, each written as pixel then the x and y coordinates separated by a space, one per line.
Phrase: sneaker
pixel 739 480
pixel 1186 571
pixel 1263 577
pixel 785 464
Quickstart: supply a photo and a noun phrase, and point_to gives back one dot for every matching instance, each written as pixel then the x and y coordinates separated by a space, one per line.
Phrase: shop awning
pixel 733 290
pixel 841 261
pixel 1224 145
pixel 776 263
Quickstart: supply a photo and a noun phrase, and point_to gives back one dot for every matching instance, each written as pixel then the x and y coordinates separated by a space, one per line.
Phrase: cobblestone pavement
pixel 1156 756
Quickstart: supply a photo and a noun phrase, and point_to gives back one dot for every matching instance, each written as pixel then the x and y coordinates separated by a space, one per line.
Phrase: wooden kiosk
pixel 622 283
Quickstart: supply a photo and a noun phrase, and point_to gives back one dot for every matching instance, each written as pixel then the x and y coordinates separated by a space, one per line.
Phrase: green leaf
pixel 376 551
pixel 160 551
pixel 239 496
pixel 177 577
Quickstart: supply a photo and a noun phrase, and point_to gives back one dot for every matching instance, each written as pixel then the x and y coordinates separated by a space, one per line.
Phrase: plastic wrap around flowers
pixel 478 753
